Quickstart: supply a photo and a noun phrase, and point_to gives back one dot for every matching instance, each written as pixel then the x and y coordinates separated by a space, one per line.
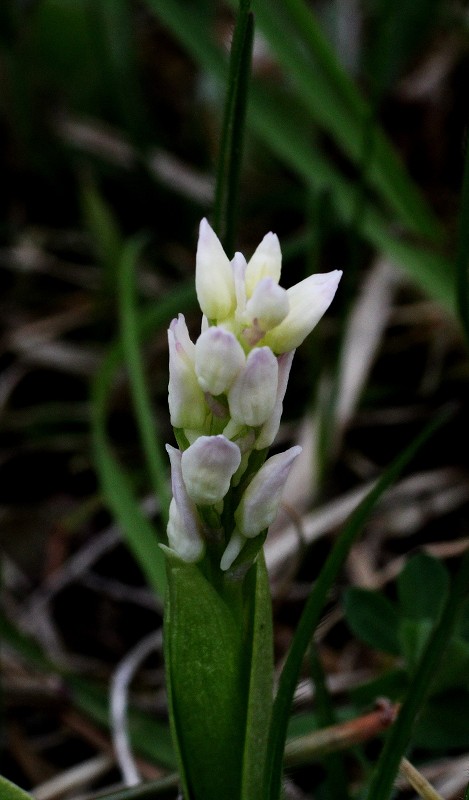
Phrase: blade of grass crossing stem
pixel 462 258
pixel 117 486
pixel 231 148
pixel 336 782
pixel 128 313
pixel 315 603
pixel 281 125
pixel 139 533
pixel 382 781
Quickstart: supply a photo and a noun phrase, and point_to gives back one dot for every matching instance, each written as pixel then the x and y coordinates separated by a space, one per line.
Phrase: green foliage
pixel 373 619
pixel 405 628
pixel 9 791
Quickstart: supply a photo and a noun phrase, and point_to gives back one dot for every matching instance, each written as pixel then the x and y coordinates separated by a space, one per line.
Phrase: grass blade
pixel 315 603
pixel 462 257
pixel 281 125
pixel 117 486
pixel 229 160
pixel 338 107
pixel 399 736
pixel 128 313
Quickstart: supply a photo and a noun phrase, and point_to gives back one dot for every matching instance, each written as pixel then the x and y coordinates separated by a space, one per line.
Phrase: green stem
pixel 229 161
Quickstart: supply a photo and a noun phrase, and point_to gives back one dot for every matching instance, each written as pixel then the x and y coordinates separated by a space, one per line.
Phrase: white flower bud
pixel 260 502
pixel 252 396
pixel 189 549
pixel 214 282
pixel 308 301
pixel 185 397
pixel 270 428
pixel 267 307
pixel 207 468
pixel 232 550
pixel 218 359
pixel 183 525
pixel 266 262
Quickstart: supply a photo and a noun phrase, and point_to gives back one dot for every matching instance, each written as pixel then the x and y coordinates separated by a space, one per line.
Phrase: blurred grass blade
pixel 9 791
pixel 107 238
pixel 150 790
pixel 341 111
pixel 117 487
pixel 462 258
pixel 231 148
pixel 382 781
pixel 282 125
pixel 139 533
pixel 336 780
pixel 315 603
pixel 128 314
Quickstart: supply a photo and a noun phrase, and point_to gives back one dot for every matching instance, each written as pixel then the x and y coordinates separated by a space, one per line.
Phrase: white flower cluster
pixel 226 391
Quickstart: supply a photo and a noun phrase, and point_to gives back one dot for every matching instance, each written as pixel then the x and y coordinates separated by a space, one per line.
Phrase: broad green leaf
pixel 260 679
pixel 391 684
pixel 399 736
pixel 203 655
pixel 9 791
pixel 454 668
pixel 443 722
pixel 422 587
pixel 373 619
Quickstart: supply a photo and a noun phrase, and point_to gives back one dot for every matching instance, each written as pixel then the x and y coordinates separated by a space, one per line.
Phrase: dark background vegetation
pixel 110 118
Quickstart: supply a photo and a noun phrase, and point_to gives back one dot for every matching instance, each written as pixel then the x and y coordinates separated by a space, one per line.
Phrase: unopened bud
pixel 207 468
pixel 183 525
pixel 218 359
pixel 251 398
pixel 266 262
pixel 213 276
pixel 185 397
pixel 261 500
pixel 190 549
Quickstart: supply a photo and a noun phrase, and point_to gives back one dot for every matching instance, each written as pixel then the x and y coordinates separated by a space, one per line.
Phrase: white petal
pixel 260 502
pixel 266 262
pixel 270 428
pixel 190 549
pixel 207 468
pixel 218 359
pixel 232 551
pixel 213 276
pixel 252 396
pixel 185 397
pixel 309 300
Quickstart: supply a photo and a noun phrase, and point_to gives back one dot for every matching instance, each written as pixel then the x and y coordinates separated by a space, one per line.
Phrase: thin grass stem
pixel 231 147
